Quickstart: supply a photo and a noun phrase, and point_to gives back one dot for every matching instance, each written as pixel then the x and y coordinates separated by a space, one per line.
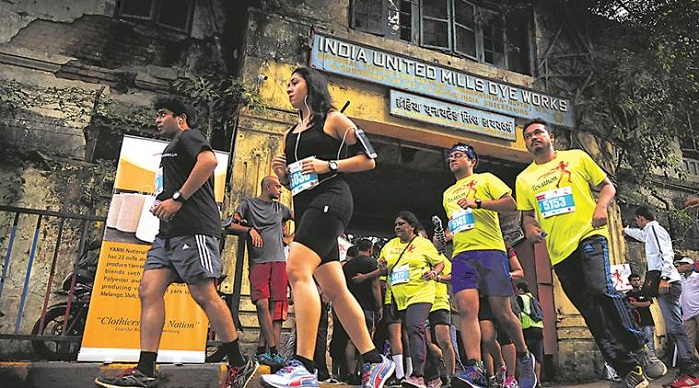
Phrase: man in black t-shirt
pixel 640 310
pixel 186 249
pixel 368 294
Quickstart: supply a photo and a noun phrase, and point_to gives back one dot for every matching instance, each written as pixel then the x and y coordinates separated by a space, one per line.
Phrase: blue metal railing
pixel 49 238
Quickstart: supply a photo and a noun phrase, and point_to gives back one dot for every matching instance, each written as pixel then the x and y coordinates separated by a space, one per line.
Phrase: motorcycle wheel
pixel 53 325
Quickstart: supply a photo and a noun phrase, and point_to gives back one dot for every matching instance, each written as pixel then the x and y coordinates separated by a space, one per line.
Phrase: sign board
pixel 620 276
pixel 113 319
pixel 451 115
pixel 393 70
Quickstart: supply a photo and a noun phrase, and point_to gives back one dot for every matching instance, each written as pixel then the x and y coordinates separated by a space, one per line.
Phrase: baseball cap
pixel 684 260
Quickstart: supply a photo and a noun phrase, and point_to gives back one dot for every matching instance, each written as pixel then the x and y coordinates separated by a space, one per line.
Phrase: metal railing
pixel 35 246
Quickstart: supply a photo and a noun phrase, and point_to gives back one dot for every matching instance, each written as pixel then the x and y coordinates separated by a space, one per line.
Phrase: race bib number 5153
pixel 555 202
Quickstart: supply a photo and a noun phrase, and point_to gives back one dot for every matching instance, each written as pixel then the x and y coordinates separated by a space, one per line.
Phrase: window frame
pixel 510 56
pixel 155 14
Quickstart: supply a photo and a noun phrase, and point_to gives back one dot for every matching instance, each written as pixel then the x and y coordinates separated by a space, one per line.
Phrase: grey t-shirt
pixel 268 218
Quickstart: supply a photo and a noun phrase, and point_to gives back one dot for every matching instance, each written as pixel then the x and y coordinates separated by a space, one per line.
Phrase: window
pixel 393 18
pixel 479 30
pixel 174 14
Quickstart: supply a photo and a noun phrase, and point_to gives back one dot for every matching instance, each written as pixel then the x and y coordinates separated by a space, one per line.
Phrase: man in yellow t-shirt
pixel 555 193
pixel 480 264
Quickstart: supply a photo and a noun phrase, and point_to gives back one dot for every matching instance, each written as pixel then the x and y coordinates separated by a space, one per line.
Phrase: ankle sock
pixel 146 363
pixel 308 364
pixel 372 356
pixel 235 357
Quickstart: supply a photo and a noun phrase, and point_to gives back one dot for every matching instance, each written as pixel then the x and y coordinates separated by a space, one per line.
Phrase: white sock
pixel 408 366
pixel 398 359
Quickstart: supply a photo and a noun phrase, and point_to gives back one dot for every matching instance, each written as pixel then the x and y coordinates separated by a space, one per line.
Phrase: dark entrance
pixel 410 177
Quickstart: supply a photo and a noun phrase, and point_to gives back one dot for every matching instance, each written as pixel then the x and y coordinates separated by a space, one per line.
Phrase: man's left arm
pixel 606 195
pixel 201 172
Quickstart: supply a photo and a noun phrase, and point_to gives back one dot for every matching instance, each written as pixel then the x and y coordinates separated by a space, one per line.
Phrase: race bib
pixel 461 220
pixel 158 181
pixel 299 180
pixel 555 202
pixel 400 275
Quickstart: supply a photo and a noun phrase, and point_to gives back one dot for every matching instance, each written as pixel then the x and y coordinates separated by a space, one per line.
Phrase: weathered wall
pixel 54 57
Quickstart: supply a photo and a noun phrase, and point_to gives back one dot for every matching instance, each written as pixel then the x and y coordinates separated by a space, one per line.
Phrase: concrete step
pixel 61 374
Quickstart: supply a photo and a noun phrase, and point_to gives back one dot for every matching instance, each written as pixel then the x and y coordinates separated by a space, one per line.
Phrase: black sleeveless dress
pixel 332 195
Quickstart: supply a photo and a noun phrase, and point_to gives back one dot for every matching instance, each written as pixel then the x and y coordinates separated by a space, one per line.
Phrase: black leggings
pixel 318 231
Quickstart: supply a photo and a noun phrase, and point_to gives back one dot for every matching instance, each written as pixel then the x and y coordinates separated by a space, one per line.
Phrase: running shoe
pixel 510 382
pixel 472 377
pixel 239 377
pixel 633 379
pixel 683 381
pixel 414 382
pixel 294 374
pixel 525 371
pixel 434 383
pixel 501 375
pixel 653 367
pixel 130 378
pixel 376 374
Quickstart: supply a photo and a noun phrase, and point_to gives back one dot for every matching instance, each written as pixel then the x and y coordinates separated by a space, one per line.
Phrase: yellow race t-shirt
pixel 560 191
pixel 475 229
pixel 405 279
pixel 441 290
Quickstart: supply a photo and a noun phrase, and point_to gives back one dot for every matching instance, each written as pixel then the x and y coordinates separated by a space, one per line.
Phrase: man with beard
pixel 262 220
pixel 555 194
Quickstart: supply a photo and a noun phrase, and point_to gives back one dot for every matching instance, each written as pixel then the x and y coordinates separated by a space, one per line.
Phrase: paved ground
pixel 79 375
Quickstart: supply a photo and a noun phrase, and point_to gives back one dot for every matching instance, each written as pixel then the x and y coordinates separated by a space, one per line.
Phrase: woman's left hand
pixel 313 165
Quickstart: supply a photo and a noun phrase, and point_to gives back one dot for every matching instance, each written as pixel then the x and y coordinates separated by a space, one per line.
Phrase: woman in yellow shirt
pixel 412 264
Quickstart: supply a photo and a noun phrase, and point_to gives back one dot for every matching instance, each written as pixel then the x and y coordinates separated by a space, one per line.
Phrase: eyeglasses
pixel 536 132
pixel 456 156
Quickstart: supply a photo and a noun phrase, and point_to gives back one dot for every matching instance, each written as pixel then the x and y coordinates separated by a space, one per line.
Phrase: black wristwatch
pixel 332 165
pixel 177 196
pixel 479 203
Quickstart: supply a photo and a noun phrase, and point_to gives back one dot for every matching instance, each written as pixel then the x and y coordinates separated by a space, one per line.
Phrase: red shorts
pixel 269 281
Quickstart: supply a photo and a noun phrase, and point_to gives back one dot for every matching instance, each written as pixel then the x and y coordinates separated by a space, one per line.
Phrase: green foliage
pixel 217 97
pixel 641 88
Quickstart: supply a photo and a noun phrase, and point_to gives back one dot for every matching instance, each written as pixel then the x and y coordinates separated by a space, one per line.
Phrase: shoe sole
pixel 458 383
pixel 249 378
pixel 269 385
pixel 107 385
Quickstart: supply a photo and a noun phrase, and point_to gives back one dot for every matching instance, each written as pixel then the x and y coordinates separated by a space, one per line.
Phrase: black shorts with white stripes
pixel 193 258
